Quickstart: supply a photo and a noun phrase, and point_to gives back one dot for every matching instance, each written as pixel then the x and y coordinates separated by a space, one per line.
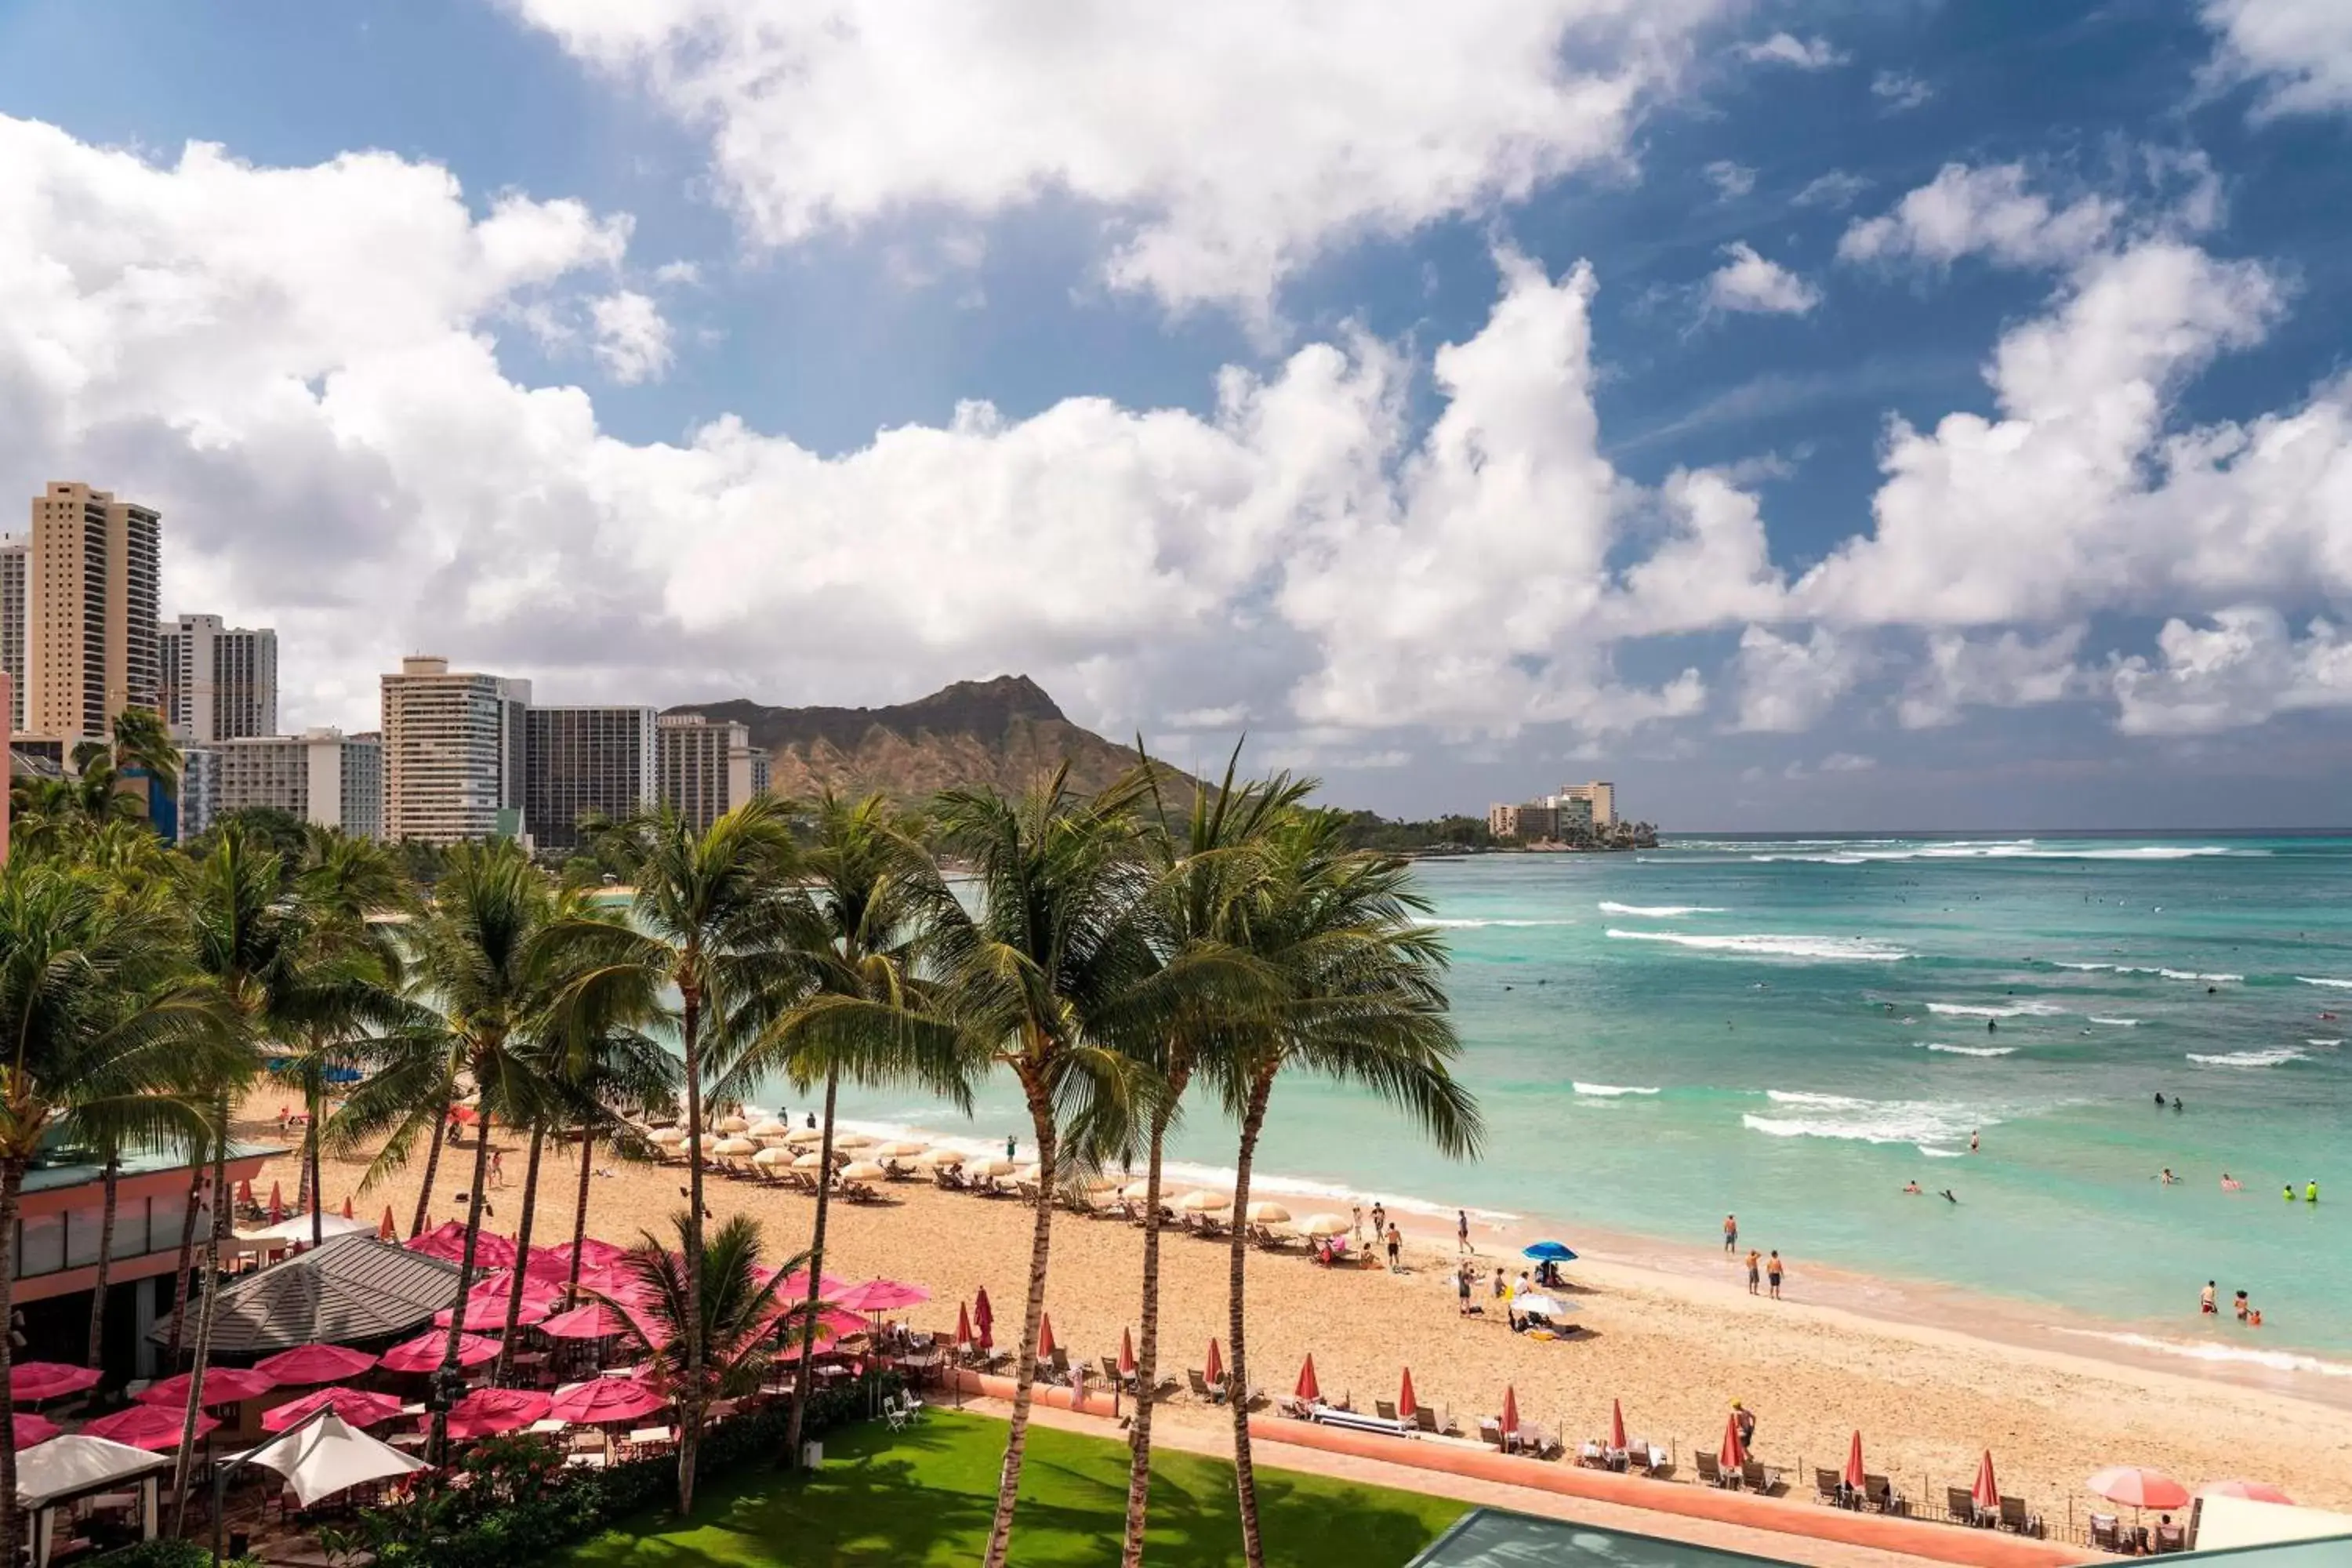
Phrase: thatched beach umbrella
pixel 1323 1225
pixel 1268 1213
pixel 900 1149
pixel 809 1162
pixel 1200 1202
pixel 939 1159
pixel 862 1171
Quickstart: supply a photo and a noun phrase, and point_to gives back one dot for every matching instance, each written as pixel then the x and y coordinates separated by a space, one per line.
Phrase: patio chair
pixel 1962 1504
pixel 1882 1495
pixel 1384 1409
pixel 1200 1385
pixel 2107 1533
pixel 893 1412
pixel 1490 1430
pixel 1711 1472
pixel 2168 1538
pixel 2015 1516
pixel 1828 1487
pixel 1424 1419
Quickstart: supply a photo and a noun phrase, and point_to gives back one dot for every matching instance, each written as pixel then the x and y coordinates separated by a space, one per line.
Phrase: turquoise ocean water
pixel 1793 1028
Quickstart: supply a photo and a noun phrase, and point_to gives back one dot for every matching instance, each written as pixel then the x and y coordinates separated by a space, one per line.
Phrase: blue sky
pixel 1901 414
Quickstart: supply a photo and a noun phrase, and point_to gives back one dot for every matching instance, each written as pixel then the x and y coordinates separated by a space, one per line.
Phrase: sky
pixel 1830 413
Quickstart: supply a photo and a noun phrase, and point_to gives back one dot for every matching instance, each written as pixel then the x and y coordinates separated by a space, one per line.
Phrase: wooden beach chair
pixel 1882 1496
pixel 1962 1504
pixel 2014 1515
pixel 1490 1430
pixel 1828 1487
pixel 2107 1533
pixel 2169 1538
pixel 1385 1409
pixel 1711 1472
pixel 1200 1386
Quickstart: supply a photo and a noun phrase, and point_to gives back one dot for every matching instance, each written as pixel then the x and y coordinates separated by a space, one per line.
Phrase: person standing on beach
pixel 1010 1143
pixel 498 1170
pixel 1752 1274
pixel 1461 1230
pixel 1730 1234
pixel 1772 1273
pixel 1360 1225
pixel 1379 1219
pixel 1396 1250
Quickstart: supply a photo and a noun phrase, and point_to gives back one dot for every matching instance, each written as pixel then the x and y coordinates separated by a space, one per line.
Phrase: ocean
pixel 1793 1028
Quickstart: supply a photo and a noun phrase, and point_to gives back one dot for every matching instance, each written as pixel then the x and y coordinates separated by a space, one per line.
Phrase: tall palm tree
pixel 608 1077
pixel 102 1030
pixel 1209 866
pixel 1364 1001
pixel 855 930
pixel 734 1313
pixel 709 923
pixel 1037 973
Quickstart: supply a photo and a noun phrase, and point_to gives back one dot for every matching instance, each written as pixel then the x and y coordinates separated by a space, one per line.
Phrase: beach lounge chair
pixel 1200 1385
pixel 1427 1420
pixel 1711 1473
pixel 1828 1487
pixel 1298 1408
pixel 2107 1533
pixel 2170 1537
pixel 1384 1409
pixel 1962 1504
pixel 1490 1430
pixel 2015 1516
pixel 1880 1495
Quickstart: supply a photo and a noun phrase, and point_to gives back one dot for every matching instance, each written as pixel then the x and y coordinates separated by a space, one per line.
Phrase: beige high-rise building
pixel 92 578
pixel 1603 798
pixel 217 682
pixel 707 769
pixel 13 554
pixel 453 753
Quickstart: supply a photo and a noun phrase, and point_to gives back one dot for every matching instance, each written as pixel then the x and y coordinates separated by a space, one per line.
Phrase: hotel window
pixel 41 1245
pixel 82 1226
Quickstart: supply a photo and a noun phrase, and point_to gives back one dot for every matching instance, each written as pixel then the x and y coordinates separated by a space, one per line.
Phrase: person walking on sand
pixel 1752 1270
pixel 1772 1273
pixel 1462 1231
pixel 1396 1250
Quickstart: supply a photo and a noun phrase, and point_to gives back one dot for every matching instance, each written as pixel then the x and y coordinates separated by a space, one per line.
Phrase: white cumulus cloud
pixel 1786 686
pixel 2244 667
pixel 1787 49
pixel 632 338
pixel 1988 210
pixel 2300 51
pixel 1749 284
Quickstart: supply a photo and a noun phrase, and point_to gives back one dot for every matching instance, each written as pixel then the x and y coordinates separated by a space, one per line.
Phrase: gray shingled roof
pixel 354 1288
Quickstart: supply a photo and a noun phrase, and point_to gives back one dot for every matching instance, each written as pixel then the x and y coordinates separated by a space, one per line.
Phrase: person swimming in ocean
pixel 2166 1176
pixel 1992 1026
pixel 2228 1182
pixel 1912 1188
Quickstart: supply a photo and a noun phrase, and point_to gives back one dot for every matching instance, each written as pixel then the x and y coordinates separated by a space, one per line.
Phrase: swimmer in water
pixel 2228 1182
pixel 2167 1177
pixel 1913 1188
pixel 1992 1026
pixel 2160 1099
pixel 1972 1141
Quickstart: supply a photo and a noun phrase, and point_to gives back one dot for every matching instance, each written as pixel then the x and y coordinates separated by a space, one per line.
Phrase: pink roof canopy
pixel 357 1405
pixel 314 1363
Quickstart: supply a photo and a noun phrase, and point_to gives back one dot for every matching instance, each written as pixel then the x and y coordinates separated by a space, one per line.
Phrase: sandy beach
pixel 1674 1344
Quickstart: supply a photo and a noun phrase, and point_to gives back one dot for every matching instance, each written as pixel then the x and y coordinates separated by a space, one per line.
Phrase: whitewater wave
pixel 2016 850
pixel 2119 1023
pixel 1967 1050
pixel 2325 1044
pixel 1830 947
pixel 1473 924
pixel 2277 1056
pixel 2276 1360
pixel 2005 1010
pixel 1925 1124
pixel 1609 1090
pixel 2153 969
pixel 1658 911
pixel 2323 980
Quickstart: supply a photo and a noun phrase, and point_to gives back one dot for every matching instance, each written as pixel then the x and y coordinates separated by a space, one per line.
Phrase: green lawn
pixel 925 1496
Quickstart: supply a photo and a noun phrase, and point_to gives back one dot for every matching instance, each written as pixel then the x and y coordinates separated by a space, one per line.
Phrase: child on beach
pixel 1360 1225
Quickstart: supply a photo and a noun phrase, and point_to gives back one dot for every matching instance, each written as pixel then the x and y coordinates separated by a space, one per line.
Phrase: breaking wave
pixel 2276 1361
pixel 2006 1010
pixel 2119 1023
pixel 1830 948
pixel 1967 1050
pixel 2323 980
pixel 1610 1091
pixel 1658 911
pixel 2277 1056
pixel 1921 1122
pixel 1473 924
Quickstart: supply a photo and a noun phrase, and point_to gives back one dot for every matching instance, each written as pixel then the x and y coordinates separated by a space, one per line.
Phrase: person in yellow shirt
pixel 2310 1193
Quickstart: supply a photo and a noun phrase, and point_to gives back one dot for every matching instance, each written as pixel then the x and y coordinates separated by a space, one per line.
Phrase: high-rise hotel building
pixel 13 553
pixel 454 746
pixel 92 574
pixel 707 769
pixel 217 682
pixel 584 762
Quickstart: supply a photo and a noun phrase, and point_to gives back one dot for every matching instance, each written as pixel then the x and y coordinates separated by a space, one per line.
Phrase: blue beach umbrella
pixel 1550 1252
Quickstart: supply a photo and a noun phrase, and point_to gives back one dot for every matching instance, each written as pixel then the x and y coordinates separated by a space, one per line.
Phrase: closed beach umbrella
pixel 32 1429
pixel 1204 1202
pixel 357 1405
pixel 734 1124
pixel 774 1157
pixel 35 1381
pixel 1125 1351
pixel 736 1148
pixel 1267 1213
pixel 862 1171
pixel 1323 1225
pixel 1045 1336
pixel 487 1412
pixel 940 1158
pixel 223 1385
pixel 2139 1487
pixel 148 1426
pixel 1308 1389
pixel 1986 1493
pixel 1853 1472
pixel 276 1205
pixel 347 1207
pixel 1216 1373
pixel 964 1324
pixel 1734 1453
pixel 602 1399
pixel 1406 1404
pixel 851 1140
pixel 1136 1191
pixel 387 1228
pixel 1510 1422
pixel 808 1161
pixel 1617 1426
pixel 982 1313
pixel 900 1149
pixel 2253 1491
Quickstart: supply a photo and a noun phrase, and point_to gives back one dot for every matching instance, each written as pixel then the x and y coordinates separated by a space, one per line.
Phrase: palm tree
pixel 1364 1001
pixel 102 1032
pixel 855 928
pixel 709 910
pixel 1041 975
pixel 140 740
pixel 733 1312
pixel 608 1077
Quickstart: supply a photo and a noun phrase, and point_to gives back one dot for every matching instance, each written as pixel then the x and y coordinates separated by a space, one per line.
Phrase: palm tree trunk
pixel 113 1185
pixel 1244 1473
pixel 180 1477
pixel 1147 1353
pixel 580 1208
pixel 522 1252
pixel 12 1184
pixel 316 1092
pixel 1041 1244
pixel 439 1444
pixel 690 1415
pixel 817 1277
pixel 187 1250
pixel 432 1163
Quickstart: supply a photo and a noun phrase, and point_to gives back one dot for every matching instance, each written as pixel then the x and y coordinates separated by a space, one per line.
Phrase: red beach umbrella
pixel 1216 1364
pixel 148 1426
pixel 1405 1403
pixel 356 1405
pixel 602 1399
pixel 982 1314
pixel 424 1352
pixel 223 1385
pixel 1734 1453
pixel 1986 1493
pixel 386 1229
pixel 1045 1336
pixel 593 1322
pixel 1617 1425
pixel 2253 1491
pixel 347 1205
pixel 963 1325
pixel 487 1412
pixel 1125 1351
pixel 1854 1473
pixel 314 1363
pixel 35 1381
pixel 32 1429
pixel 1510 1411
pixel 2139 1487
pixel 245 1193
pixel 276 1205
pixel 1308 1389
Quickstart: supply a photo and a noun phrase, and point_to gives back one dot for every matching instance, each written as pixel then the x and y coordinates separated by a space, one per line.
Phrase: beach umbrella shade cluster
pixel 223 1385
pixel 488 1412
pixel 36 1380
pixel 359 1406
pixel 148 1426
pixel 311 1363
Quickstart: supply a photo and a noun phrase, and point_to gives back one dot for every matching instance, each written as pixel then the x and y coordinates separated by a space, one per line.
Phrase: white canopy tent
pixel 324 1456
pixel 64 1469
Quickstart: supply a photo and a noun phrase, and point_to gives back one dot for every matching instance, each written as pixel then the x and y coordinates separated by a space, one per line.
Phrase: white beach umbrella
pixel 732 1124
pixel 773 1157
pixel 851 1140
pixel 669 1137
pixel 769 1127
pixel 736 1148
pixel 900 1149
pixel 862 1171
pixel 1323 1225
pixel 937 1158
pixel 990 1167
pixel 805 1135
pixel 1030 1172
pixel 809 1162
pixel 1136 1191
pixel 1268 1213
pixel 1204 1202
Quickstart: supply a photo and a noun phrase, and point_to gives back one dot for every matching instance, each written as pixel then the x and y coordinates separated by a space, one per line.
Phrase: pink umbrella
pixel 602 1399
pixel 245 1193
pixel 795 1286
pixel 32 1429
pixel 593 1322
pixel 1985 1494
pixel 1855 1478
pixel 1308 1389
pixel 223 1385
pixel 1406 1404
pixel 35 1381
pixel 1216 1373
pixel 314 1363
pixel 1617 1426
pixel 2139 1488
pixel 147 1426
pixel 487 1412
pixel 882 1296
pixel 486 1304
pixel 356 1405
pixel 2253 1491
pixel 425 1352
